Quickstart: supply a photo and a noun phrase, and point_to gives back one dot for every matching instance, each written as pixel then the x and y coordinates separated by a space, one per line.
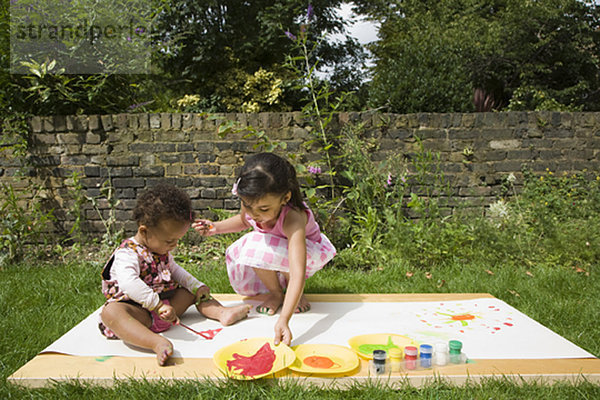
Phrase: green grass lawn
pixel 40 302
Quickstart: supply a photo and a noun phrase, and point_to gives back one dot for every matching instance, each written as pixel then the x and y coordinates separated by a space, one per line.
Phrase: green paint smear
pixel 369 348
pixel 104 358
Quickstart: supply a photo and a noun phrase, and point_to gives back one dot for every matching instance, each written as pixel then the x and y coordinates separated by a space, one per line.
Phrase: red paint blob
pixel 259 363
pixel 462 317
pixel 496 328
pixel 508 324
pixel 318 362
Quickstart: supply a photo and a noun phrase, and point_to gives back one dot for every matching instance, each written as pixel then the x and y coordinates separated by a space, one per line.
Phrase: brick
pixel 94 122
pixel 505 144
pixel 176 121
pixel 185 147
pixel 165 121
pixel 150 171
pixel 171 136
pixel 44 138
pixel 128 182
pixel 113 161
pixel 187 121
pixel 152 148
pixel 120 172
pixel 35 124
pixel 125 193
pixel 70 138
pixel 90 149
pixel 475 191
pixel 208 193
pixel 507 166
pixel 91 171
pixel 525 154
pixel 173 170
pixel 143 121
pixel 107 122
pixel 155 120
pixel 77 123
pixel 203 204
pixel 210 182
pixel 60 123
pixel 92 138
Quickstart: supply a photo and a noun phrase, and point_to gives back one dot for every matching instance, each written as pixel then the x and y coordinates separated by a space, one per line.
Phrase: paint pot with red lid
pixel 410 357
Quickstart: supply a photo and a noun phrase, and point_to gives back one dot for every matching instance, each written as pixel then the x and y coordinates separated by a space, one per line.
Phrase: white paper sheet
pixel 488 329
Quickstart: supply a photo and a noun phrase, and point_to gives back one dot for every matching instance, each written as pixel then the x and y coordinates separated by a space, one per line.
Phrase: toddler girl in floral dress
pixel 146 290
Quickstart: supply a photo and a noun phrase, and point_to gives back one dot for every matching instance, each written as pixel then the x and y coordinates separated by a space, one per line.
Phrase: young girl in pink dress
pixel 285 247
pixel 146 290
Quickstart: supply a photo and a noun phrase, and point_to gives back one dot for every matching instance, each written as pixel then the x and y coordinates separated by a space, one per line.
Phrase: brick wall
pixel 137 150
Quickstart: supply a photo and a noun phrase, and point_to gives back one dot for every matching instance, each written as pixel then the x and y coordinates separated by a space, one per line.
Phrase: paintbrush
pixel 193 330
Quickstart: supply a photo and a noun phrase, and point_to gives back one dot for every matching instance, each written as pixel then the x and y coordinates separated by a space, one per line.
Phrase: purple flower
pixel 389 182
pixel 138 105
pixel 290 35
pixel 309 12
pixel 314 170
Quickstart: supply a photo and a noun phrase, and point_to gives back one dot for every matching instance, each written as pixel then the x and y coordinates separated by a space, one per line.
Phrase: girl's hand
pixel 204 227
pixel 282 333
pixel 166 312
pixel 202 294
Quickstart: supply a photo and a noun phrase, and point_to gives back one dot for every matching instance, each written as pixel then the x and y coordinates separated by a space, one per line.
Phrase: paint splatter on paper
pixel 259 363
pixel 470 317
pixel 211 333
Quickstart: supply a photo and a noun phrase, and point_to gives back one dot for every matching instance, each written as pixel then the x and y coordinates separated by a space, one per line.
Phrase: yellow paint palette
pixel 323 359
pixel 364 345
pixel 253 358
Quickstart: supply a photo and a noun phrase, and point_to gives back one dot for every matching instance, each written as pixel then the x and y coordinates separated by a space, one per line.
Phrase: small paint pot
pixel 410 357
pixel 455 349
pixel 425 353
pixel 379 359
pixel 441 356
pixel 395 359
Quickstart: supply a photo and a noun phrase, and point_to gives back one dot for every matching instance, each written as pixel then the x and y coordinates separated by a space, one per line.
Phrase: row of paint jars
pixel 414 359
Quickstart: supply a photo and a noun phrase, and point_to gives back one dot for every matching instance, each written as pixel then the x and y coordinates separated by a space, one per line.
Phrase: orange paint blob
pixel 462 317
pixel 319 362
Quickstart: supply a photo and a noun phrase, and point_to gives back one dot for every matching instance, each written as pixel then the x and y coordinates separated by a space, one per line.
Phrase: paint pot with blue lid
pixel 425 355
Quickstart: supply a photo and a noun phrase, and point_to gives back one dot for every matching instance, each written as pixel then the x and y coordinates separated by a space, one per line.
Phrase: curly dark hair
pixel 266 173
pixel 163 201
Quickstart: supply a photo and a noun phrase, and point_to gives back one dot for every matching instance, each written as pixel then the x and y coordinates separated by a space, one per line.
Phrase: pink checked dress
pixel 268 249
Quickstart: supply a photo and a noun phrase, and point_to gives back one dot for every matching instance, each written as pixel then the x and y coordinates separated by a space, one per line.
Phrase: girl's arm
pixel 294 227
pixel 236 223
pixel 126 271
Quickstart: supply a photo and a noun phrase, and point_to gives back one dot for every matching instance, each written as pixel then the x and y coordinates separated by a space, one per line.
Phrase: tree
pixel 217 46
pixel 433 55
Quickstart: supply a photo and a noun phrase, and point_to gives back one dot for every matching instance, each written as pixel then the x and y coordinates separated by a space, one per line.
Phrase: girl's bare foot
pixel 163 350
pixel 303 305
pixel 271 304
pixel 231 315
